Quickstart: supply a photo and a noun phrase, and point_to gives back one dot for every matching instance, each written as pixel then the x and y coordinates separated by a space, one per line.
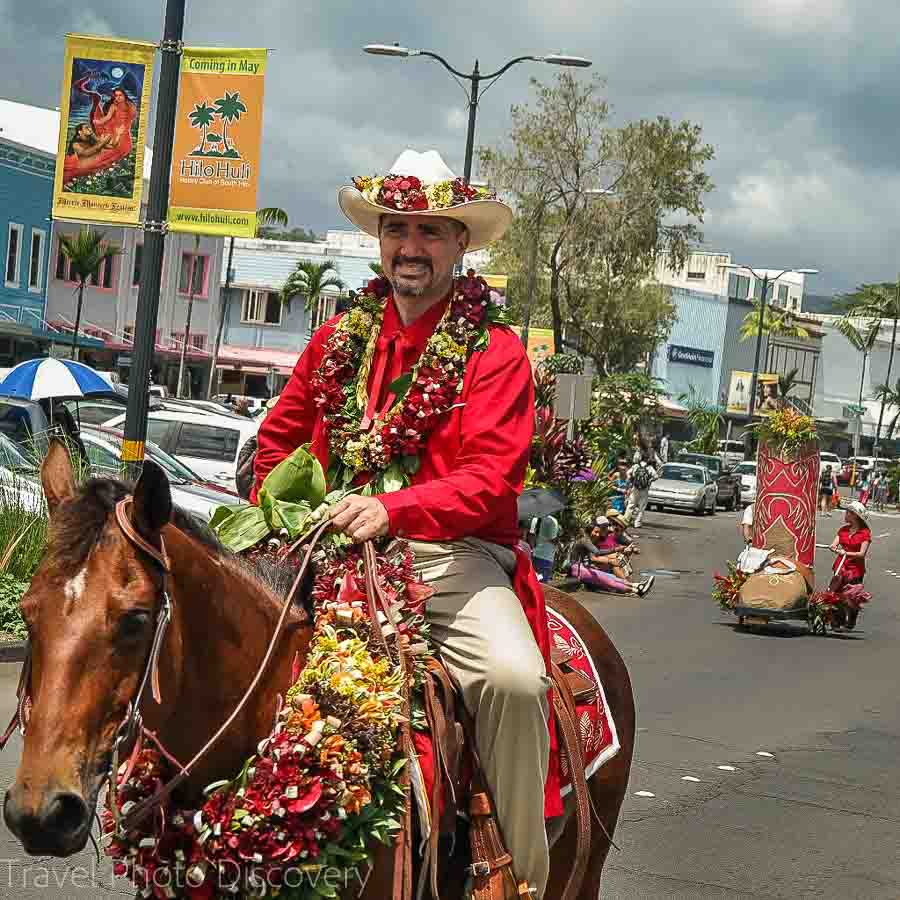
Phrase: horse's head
pixel 90 613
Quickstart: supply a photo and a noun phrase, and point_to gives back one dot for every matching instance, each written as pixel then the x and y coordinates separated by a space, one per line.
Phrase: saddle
pixel 456 783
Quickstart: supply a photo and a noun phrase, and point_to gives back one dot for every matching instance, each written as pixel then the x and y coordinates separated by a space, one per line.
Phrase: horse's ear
pixel 57 477
pixel 152 500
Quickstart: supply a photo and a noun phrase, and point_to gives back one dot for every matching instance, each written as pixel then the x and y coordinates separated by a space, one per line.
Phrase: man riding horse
pixel 459 512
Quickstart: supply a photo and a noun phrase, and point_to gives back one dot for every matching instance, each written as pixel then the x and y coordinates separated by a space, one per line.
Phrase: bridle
pixel 132 730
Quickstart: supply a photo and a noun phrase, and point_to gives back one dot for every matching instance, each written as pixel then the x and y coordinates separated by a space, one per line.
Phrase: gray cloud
pixel 799 98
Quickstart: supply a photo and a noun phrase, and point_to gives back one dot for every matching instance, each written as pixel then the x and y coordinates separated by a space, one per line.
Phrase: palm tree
pixel 776 322
pixel 862 340
pixel 786 384
pixel 310 279
pixel 879 301
pixel 890 396
pixel 377 268
pixel 706 420
pixel 202 116
pixel 86 253
pixel 268 215
pixel 230 108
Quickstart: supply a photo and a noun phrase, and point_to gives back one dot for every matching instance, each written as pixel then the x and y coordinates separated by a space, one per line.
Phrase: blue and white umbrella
pixel 40 378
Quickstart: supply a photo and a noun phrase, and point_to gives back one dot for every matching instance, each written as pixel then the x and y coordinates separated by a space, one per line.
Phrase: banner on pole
pixel 102 129
pixel 218 134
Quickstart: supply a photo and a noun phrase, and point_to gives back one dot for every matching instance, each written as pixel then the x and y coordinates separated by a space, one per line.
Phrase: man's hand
pixel 360 518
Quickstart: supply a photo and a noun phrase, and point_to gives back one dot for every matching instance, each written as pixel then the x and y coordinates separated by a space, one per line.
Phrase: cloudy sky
pixel 798 97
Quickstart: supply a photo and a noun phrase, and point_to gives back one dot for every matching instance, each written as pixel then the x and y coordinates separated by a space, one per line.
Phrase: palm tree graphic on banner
pixel 228 110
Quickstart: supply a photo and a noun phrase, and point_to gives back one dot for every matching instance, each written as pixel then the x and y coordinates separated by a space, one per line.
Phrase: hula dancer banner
pixel 102 126
pixel 218 132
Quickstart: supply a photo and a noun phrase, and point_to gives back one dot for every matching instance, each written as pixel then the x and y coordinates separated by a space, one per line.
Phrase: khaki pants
pixel 637 503
pixel 484 639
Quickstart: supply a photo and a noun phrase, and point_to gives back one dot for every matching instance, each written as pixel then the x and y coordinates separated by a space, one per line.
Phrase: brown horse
pixel 90 612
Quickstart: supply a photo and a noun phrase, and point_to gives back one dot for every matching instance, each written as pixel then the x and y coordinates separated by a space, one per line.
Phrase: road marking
pixel 766 754
pixel 886 534
pixel 727 768
pixel 644 794
pixel 690 778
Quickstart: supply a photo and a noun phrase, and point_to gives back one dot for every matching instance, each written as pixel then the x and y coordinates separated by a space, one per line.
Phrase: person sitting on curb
pixel 627 544
pixel 591 563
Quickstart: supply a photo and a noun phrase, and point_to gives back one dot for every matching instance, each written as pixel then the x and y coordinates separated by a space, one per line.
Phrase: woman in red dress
pixel 851 546
pixel 106 140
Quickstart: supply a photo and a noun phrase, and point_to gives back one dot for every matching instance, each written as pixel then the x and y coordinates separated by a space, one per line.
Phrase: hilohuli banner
pixel 218 132
pixel 102 127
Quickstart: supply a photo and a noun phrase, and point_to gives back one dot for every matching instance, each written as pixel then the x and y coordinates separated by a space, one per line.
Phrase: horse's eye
pixel 134 624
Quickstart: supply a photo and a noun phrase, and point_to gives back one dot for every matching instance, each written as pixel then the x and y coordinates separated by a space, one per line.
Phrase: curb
pixel 12 651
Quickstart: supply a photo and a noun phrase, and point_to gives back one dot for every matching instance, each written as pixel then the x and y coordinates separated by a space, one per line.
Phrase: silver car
pixel 684 486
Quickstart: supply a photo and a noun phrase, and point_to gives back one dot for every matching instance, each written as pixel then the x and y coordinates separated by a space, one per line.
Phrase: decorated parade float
pixel 773 579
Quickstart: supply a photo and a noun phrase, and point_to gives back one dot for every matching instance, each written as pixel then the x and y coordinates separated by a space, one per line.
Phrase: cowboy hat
pixel 601 522
pixel 859 511
pixel 615 516
pixel 421 184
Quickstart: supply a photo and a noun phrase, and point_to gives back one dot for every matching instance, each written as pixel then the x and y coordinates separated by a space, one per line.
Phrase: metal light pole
pixel 154 241
pixel 764 296
pixel 475 78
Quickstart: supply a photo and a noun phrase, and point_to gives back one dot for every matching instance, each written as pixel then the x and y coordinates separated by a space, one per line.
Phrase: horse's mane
pixel 78 524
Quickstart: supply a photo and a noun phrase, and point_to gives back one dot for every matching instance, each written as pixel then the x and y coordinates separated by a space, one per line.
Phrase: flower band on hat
pixel 407 193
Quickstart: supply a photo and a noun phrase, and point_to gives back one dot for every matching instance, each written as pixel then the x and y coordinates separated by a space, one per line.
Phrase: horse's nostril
pixel 66 814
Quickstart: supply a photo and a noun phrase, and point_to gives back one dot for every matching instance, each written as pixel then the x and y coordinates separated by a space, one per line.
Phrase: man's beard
pixel 404 285
pixel 88 139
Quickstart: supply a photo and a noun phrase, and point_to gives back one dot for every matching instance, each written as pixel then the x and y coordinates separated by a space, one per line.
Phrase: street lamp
pixel 764 296
pixel 475 78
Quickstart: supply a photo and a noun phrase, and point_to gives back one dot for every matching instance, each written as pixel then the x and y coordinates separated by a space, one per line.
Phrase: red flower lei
pixel 339 385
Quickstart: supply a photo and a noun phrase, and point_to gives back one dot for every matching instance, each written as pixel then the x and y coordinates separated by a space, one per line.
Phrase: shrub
pixel 11 590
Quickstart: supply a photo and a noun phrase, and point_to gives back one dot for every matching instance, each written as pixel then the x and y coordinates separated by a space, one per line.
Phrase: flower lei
pixel 407 193
pixel 390 450
pixel 296 822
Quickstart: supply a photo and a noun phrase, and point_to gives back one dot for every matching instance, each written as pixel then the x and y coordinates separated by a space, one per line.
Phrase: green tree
pixel 706 419
pixel 310 279
pixel 862 338
pixel 376 268
pixel 787 383
pixel 265 217
pixel 620 406
pixel 86 253
pixel 880 302
pixel 777 322
pixel 298 235
pixel 594 200
pixel 889 396
pixel 229 108
pixel 202 116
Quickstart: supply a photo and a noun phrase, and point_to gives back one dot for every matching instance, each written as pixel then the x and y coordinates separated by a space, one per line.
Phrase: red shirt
pixel 852 541
pixel 473 464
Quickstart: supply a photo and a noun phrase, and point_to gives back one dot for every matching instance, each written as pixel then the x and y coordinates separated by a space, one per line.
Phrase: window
pixel 322 312
pixel 62 265
pixel 197 341
pixel 192 277
pixel 157 430
pixel 696 276
pixel 103 278
pixel 138 261
pixel 13 248
pixel 101 458
pixel 738 286
pixel 36 261
pixel 261 307
pixel 208 442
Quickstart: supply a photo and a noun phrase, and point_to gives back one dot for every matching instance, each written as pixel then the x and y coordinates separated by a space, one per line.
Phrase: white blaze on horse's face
pixel 89 612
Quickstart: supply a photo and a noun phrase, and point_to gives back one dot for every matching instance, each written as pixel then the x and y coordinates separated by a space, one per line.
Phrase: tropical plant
pixel 785 431
pixel 86 253
pixel 544 388
pixel 555 460
pixel 786 383
pixel 706 419
pixel 202 116
pixel 377 268
pixel 563 364
pixel 229 108
pixel 620 406
pixel 777 322
pixel 265 217
pixel 311 279
pixel 862 339
pixel 889 396
pixel 880 302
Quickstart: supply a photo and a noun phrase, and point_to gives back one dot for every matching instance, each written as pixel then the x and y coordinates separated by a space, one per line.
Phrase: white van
pixel 731 453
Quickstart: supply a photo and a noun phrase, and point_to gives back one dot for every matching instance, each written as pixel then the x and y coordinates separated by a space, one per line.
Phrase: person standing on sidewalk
pixel 640 477
pixel 826 491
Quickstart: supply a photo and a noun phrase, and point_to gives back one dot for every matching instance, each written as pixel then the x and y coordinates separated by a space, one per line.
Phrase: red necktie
pixel 389 351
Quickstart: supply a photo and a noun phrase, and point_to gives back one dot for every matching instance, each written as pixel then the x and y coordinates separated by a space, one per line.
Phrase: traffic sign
pixel 853 411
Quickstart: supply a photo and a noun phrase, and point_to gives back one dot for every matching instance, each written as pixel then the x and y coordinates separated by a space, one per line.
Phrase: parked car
pixel 95 411
pixel 189 490
pixel 729 486
pixel 207 443
pixel 731 452
pixel 684 486
pixel 746 471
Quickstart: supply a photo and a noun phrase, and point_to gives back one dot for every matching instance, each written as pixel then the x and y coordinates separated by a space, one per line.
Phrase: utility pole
pixel 154 241
pixel 224 301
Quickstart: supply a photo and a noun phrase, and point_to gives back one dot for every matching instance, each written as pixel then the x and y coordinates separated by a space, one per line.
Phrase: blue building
pixel 26 191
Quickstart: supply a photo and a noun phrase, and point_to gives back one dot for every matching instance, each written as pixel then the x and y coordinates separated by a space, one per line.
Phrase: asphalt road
pixel 819 818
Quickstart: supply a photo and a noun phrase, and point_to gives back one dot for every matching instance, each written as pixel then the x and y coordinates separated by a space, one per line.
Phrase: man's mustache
pixel 412 260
